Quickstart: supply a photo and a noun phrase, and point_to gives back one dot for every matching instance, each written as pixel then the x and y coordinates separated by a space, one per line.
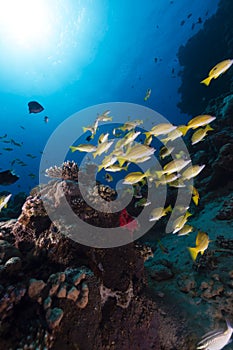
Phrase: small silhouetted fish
pixel 182 22
pixel 189 15
pixel 8 149
pixel 6 141
pixel 199 20
pixel 2 137
pixel 35 107
pixel 156 59
pixel 16 143
pixel 30 155
pixel 173 70
pixel 22 127
pixel 46 119
pixel 8 177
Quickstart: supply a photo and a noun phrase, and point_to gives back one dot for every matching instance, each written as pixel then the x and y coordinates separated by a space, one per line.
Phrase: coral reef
pixel 82 297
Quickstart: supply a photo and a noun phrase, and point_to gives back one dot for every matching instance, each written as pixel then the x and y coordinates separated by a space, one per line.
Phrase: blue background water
pixel 85 53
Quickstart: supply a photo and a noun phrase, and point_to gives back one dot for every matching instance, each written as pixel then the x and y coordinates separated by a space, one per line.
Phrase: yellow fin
pixel 183 129
pixel 193 252
pixel 195 199
pixel 121 161
pixel 168 209
pixel 147 134
pixel 73 148
pixel 206 81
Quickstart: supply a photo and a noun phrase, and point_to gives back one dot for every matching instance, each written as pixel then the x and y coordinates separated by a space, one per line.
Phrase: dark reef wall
pixel 203 51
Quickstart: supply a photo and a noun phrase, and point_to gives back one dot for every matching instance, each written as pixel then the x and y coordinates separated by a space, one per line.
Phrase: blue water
pixel 69 55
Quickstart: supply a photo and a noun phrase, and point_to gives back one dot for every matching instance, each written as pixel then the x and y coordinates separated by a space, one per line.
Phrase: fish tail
pixel 206 81
pixel 208 128
pixel 193 252
pixel 73 148
pixel 195 200
pixel 183 129
pixel 147 134
pixel 164 141
pixel 159 173
pixel 168 209
pixel 121 161
pixel 84 129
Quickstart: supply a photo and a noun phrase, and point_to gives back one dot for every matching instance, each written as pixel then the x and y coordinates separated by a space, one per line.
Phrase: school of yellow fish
pixel 174 173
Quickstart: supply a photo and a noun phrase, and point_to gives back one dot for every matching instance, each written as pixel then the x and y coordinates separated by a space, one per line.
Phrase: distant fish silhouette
pixel 35 107
pixel 46 119
pixel 8 177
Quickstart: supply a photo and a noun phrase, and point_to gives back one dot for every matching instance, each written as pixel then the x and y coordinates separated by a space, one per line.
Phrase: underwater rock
pixel 161 271
pixel 35 288
pixel 13 265
pixel 224 242
pixel 186 283
pixel 8 251
pixel 226 212
pixel 63 279
pixel 54 317
pixel 11 297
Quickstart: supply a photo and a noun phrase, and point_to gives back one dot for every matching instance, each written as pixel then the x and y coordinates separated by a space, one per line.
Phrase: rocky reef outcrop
pixel 202 52
pixel 56 293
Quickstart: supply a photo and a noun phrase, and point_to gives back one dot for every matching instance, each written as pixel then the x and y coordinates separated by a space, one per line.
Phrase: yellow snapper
pixel 157 213
pixel 165 151
pixel 180 222
pixel 107 162
pixel 91 128
pixel 166 179
pixel 116 167
pixel 135 153
pixel 144 202
pixel 176 183
pixel 160 129
pixel 129 137
pixel 219 69
pixel 195 195
pixel 171 136
pixel 104 117
pixel 130 125
pixel 148 140
pixel 216 340
pixel 134 177
pixel 175 166
pixel 186 229
pixel 4 200
pixel 83 148
pixel 102 148
pixel 192 171
pixel 202 242
pixel 148 93
pixel 199 120
pixel 200 134
pixel 103 138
